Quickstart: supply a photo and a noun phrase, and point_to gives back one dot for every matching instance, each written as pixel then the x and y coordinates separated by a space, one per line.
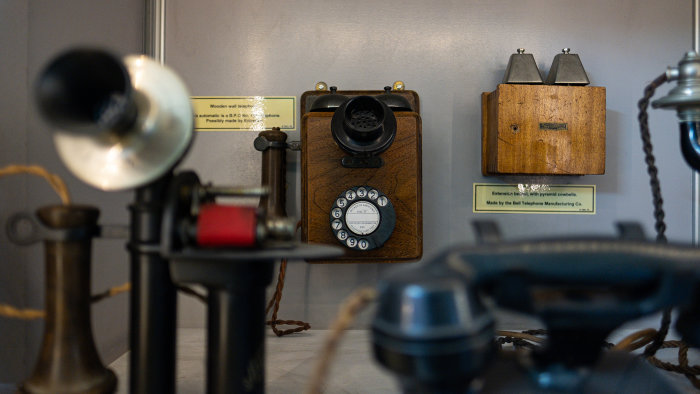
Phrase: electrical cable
pixel 657 199
pixel 193 293
pixel 653 172
pixel 32 314
pixel 274 304
pixel 351 307
pixel 636 340
pixel 658 338
pixel 275 301
pixel 60 188
pixel 11 312
pixel 54 180
pixel 111 292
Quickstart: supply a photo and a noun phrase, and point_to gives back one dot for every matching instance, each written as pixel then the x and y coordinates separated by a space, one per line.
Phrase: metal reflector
pixel 121 123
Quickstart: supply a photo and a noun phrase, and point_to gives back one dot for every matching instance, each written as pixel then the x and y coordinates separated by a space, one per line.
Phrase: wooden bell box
pixel 543 130
pixel 367 200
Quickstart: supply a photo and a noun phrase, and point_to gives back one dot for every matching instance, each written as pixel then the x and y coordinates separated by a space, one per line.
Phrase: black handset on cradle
pixel 364 127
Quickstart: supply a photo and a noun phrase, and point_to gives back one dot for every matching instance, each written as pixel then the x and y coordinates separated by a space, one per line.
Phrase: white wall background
pixel 449 52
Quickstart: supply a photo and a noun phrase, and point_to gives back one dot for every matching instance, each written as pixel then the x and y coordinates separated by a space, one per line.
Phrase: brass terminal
pixel 398 85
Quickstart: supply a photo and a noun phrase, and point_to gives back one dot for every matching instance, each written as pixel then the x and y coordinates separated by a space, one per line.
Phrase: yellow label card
pixel 247 113
pixel 528 198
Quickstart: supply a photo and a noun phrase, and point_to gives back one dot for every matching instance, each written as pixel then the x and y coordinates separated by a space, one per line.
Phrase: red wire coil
pixel 226 225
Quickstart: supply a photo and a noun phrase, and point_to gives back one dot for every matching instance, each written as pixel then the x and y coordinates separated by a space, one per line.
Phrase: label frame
pixel 293 115
pixel 478 209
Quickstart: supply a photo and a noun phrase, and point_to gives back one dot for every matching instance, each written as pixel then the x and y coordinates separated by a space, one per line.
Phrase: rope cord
pixel 683 362
pixel 60 188
pixel 658 201
pixel 23 314
pixel 690 372
pixel 54 180
pixel 275 301
pixel 649 156
pixel 111 292
pixel 33 314
pixel 193 293
pixel 351 307
pixel 274 304
pixel 636 340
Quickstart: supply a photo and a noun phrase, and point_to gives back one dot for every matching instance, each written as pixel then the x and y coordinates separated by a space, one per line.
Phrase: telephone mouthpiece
pixel 685 99
pixel 119 122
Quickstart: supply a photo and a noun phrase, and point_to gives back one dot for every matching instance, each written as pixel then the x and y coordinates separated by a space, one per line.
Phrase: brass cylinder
pixel 274 172
pixel 68 361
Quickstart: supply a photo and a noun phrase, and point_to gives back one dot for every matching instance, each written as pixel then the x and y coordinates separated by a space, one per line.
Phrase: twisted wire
pixel 351 307
pixel 649 156
pixel 274 304
pixel 658 201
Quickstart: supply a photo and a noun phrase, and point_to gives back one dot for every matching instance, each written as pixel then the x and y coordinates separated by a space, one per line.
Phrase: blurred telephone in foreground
pixel 361 173
pixel 434 330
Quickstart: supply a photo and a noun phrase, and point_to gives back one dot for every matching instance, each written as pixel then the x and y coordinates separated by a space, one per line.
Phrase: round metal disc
pixel 112 160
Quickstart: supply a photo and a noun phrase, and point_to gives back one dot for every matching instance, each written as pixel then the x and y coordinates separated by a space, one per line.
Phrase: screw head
pixel 320 85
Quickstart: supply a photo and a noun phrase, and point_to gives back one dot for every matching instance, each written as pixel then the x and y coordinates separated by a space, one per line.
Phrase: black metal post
pixel 236 330
pixel 153 297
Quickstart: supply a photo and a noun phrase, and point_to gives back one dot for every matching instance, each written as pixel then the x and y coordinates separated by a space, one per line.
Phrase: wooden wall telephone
pixel 361 173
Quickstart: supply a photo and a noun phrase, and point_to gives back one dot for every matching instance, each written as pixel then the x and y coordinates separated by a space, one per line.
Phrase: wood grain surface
pixel 323 179
pixel 543 129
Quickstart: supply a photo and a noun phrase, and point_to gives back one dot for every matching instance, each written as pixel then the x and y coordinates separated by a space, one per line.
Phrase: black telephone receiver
pixel 364 127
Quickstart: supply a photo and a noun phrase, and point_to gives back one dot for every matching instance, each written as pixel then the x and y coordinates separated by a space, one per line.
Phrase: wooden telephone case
pixel 324 179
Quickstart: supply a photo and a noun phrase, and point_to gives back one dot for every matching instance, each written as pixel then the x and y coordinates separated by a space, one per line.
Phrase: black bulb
pixel 86 87
pixel 690 146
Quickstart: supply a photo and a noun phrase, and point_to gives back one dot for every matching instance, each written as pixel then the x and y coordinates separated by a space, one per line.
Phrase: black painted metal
pixel 236 280
pixel 236 330
pixel 690 145
pixel 153 297
pixel 363 126
pixel 84 88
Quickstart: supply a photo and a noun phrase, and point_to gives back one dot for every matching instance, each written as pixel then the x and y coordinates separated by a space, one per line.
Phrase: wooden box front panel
pixel 324 178
pixel 543 129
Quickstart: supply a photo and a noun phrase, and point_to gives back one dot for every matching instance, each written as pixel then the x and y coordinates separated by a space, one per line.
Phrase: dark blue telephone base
pixel 581 288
